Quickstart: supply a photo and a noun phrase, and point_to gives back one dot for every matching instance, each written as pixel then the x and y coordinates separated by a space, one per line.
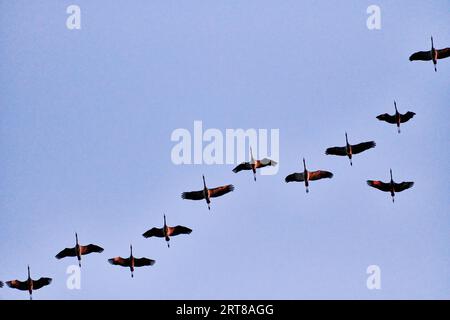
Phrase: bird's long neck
pixel 395 106
pixel 165 221
pixel 204 182
pixel 346 139
pixel 76 239
pixel 304 165
pixel 252 159
pixel 432 44
pixel 131 250
pixel 392 180
pixel 29 277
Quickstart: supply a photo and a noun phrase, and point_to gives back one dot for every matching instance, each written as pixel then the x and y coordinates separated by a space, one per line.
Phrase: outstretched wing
pixel 421 55
pixel 174 231
pixel 320 174
pixel 119 261
pixel 360 147
pixel 141 262
pixel 16 284
pixel 405 117
pixel 399 187
pixel 242 166
pixel 337 151
pixel 443 53
pixel 67 252
pixel 154 232
pixel 90 248
pixel 265 162
pixel 193 195
pixel 220 191
pixel 42 282
pixel 386 117
pixel 1 284
pixel 379 185
pixel 298 177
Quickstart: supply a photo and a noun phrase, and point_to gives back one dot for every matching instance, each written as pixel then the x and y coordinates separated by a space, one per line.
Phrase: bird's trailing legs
pixel 433 51
pixel 253 163
pixel 305 173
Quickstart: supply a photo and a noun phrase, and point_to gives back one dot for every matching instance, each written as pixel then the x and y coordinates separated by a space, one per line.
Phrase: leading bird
pixel 433 55
pixel 307 176
pixel 29 284
pixel 78 251
pixel 397 117
pixel 166 232
pixel 207 193
pixel 254 164
pixel 131 262
pixel 349 150
pixel 390 186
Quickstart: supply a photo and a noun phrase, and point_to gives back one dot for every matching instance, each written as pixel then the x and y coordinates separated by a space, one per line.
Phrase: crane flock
pixel 206 193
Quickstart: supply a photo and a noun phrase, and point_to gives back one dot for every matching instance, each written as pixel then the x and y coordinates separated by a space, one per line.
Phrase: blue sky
pixel 85 123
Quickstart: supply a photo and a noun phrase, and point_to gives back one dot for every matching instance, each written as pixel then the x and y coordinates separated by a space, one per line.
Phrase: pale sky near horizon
pixel 86 118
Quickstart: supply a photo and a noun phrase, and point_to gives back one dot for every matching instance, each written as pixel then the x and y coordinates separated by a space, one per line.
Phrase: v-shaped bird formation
pixel 206 194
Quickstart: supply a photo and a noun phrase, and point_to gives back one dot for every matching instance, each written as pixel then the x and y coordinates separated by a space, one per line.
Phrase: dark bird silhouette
pixel 29 284
pixel 396 118
pixel 207 194
pixel 349 150
pixel 1 284
pixel 307 176
pixel 433 55
pixel 390 186
pixel 131 262
pixel 166 232
pixel 78 251
pixel 254 164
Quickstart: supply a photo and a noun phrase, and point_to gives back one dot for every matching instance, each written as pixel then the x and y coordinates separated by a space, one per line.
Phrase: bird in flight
pixel 254 164
pixel 207 193
pixel 433 55
pixel 307 176
pixel 349 150
pixel 131 262
pixel 78 251
pixel 1 284
pixel 396 118
pixel 29 284
pixel 166 232
pixel 390 186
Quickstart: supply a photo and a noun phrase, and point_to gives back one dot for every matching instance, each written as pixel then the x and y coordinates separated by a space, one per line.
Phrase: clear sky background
pixel 85 124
